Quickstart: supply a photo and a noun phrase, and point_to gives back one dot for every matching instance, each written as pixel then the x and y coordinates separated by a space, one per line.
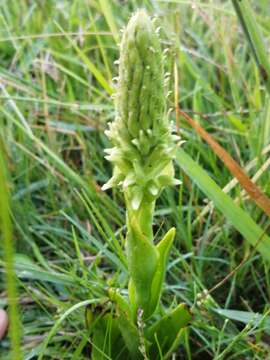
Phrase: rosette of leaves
pixel 142 156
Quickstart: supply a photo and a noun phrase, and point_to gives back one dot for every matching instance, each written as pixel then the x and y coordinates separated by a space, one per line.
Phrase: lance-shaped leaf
pixel 143 262
pixel 163 249
pixel 166 332
pixel 107 341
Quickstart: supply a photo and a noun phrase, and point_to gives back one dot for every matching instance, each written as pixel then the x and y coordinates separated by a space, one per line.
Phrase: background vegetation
pixel 57 63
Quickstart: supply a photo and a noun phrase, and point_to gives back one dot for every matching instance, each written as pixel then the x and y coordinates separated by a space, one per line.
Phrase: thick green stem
pixel 141 253
pixel 144 217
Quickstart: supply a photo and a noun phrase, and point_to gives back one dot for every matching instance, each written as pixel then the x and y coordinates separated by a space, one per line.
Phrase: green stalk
pixel 7 243
pixel 254 37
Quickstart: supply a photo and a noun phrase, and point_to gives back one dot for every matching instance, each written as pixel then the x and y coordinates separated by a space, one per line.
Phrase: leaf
pixel 246 317
pixel 25 268
pixel 7 245
pixel 252 189
pixel 143 260
pixel 130 335
pixel 165 333
pixel 163 248
pixel 120 301
pixel 59 322
pixel 90 65
pixel 238 217
pixel 254 37
pixel 107 342
pixel 125 322
pixel 109 16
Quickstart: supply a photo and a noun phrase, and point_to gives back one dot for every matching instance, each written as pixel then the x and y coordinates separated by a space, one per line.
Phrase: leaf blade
pixel 237 217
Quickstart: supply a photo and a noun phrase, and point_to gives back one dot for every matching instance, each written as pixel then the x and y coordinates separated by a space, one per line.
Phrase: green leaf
pixel 89 64
pixel 109 16
pixel 59 322
pixel 143 262
pixel 238 217
pixel 130 335
pixel 7 244
pixel 254 37
pixel 246 317
pixel 25 268
pixel 107 342
pixel 166 332
pixel 120 301
pixel 163 248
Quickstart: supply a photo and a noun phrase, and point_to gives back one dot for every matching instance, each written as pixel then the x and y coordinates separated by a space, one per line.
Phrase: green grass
pixel 56 68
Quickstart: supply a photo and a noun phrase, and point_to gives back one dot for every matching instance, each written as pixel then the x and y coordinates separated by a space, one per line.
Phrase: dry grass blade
pixel 234 182
pixel 253 190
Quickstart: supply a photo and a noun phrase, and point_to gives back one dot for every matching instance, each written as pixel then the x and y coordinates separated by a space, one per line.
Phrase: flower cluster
pixel 141 134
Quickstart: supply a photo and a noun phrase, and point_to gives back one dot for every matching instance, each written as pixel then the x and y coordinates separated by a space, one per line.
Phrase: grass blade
pixel 254 37
pixel 7 243
pixel 252 189
pixel 247 317
pixel 107 11
pixel 59 321
pixel 238 217
pixel 89 64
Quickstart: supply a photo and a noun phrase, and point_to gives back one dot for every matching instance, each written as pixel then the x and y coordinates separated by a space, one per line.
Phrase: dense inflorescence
pixel 141 134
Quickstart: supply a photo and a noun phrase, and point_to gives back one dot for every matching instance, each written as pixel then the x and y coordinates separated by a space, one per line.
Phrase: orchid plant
pixel 142 157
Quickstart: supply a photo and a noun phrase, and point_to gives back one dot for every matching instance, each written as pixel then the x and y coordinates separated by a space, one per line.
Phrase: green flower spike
pixel 142 154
